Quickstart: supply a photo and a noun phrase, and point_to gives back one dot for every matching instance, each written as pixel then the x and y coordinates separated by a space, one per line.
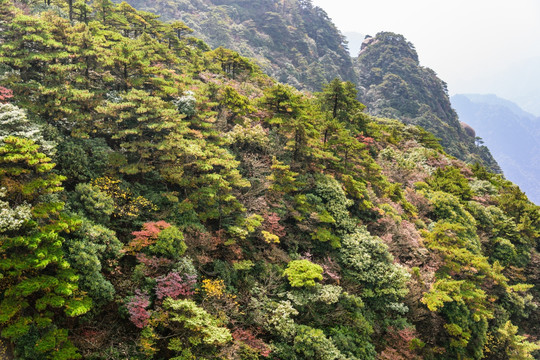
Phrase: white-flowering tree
pixel 14 122
pixel 12 218
pixel 369 263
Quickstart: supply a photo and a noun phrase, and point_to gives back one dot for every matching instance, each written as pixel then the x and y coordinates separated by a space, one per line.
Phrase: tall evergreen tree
pixel 36 281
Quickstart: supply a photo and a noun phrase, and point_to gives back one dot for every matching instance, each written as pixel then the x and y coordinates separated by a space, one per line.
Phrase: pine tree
pixel 140 124
pixel 339 99
pixel 36 280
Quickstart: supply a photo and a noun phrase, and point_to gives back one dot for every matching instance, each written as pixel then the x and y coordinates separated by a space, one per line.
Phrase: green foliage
pixel 283 180
pixel 515 346
pixel 450 180
pixel 132 120
pixel 284 101
pixel 230 62
pixel 303 273
pixel 195 331
pixel 371 265
pixel 54 345
pixel 156 132
pixel 36 278
pixel 252 138
pixel 313 344
pixel 84 159
pixel 335 203
pixel 14 122
pixel 96 204
pixel 169 244
pixel 339 100
pixel 448 207
pixel 87 250
pixel 186 104
pixel 456 293
pixel 353 344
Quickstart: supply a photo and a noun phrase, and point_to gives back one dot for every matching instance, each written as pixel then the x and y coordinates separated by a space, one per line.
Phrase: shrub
pixel 278 317
pixel 193 327
pixel 84 159
pixel 253 342
pixel 137 306
pixel 369 263
pixel 5 94
pixel 336 203
pixel 14 122
pixel 173 285
pixel 13 218
pixel 313 344
pixel 96 204
pixel 169 244
pixel 158 238
pixel 303 273
pixel 186 104
pixel 451 180
pixel 254 138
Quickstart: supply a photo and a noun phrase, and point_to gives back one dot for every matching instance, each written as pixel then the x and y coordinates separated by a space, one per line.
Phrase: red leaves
pixel 272 225
pixel 137 309
pixel 368 141
pixel 173 285
pixel 153 265
pixel 204 245
pixel 250 340
pixel 147 236
pixel 5 94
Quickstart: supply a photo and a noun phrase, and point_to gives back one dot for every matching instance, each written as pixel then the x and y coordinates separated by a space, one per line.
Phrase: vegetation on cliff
pixel 293 41
pixel 395 85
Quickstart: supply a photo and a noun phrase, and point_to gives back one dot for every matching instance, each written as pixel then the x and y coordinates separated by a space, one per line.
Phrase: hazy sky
pixel 466 42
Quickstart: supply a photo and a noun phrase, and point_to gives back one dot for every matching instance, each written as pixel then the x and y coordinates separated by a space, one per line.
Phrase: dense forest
pixel 292 40
pixel 162 199
pixel 297 43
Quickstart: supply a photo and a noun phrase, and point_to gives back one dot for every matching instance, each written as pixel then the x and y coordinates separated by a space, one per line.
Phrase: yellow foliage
pixel 147 341
pixel 126 204
pixel 213 288
pixel 270 238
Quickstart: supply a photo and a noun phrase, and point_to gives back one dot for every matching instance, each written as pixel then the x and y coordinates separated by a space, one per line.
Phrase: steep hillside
pixel 394 85
pixel 293 41
pixel 512 135
pixel 161 200
pixel 298 44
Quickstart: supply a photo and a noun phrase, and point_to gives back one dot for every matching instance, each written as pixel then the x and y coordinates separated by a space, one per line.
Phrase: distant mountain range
pixel 518 83
pixel 511 133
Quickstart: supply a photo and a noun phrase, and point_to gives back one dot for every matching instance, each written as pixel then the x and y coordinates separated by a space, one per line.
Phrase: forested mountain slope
pixel 161 200
pixel 298 44
pixel 293 41
pixel 393 84
pixel 512 135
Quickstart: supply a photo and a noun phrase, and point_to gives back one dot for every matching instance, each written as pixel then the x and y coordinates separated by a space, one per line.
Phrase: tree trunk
pixel 70 3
